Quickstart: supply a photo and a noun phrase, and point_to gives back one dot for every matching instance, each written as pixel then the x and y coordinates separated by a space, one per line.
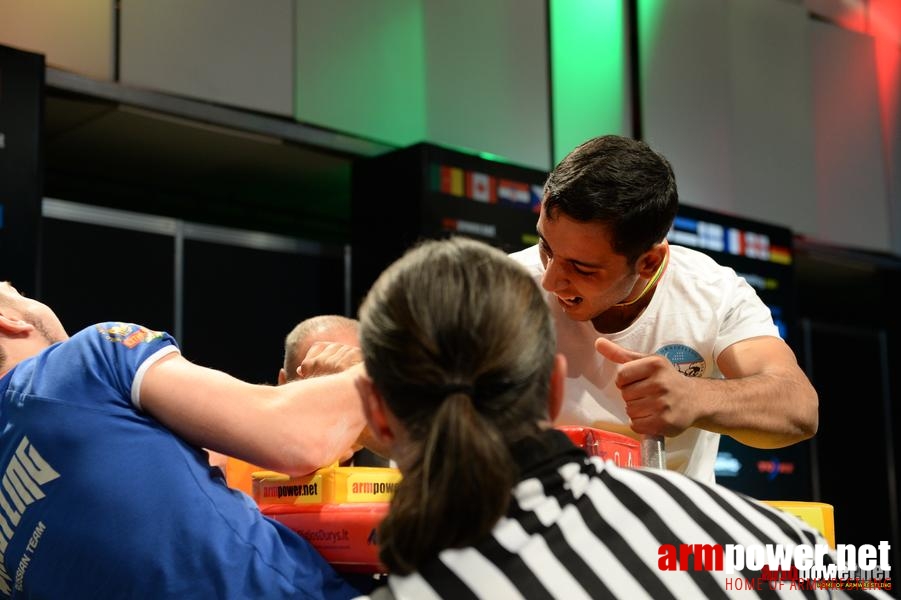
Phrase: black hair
pixel 621 183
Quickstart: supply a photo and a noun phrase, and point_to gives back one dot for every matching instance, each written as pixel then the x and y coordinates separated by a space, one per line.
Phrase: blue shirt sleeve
pixel 129 350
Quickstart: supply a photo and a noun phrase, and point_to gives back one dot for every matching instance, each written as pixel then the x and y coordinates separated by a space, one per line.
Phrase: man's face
pixel 580 267
pixel 32 312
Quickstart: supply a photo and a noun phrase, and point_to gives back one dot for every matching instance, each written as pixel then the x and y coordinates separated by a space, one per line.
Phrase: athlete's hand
pixel 325 358
pixel 659 400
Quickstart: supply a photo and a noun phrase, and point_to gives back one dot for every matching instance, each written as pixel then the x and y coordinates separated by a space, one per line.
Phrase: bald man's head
pixel 323 328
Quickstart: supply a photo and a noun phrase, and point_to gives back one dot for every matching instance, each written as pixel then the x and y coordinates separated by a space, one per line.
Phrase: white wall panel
pixel 461 73
pixel 726 97
pixel 74 36
pixel 686 95
pixel 891 126
pixel 225 51
pixel 852 205
pixel 486 77
pixel 884 23
pixel 772 150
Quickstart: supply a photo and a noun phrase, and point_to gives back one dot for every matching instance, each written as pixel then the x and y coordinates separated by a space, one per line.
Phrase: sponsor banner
pixel 486 230
pixel 331 485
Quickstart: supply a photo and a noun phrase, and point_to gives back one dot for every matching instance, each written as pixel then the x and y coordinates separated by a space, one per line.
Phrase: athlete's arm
pixel 765 401
pixel 294 428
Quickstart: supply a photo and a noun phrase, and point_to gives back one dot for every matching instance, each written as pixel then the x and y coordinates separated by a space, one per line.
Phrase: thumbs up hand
pixel 659 400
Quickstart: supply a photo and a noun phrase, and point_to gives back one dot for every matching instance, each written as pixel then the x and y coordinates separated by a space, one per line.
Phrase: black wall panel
pixel 240 303
pixel 21 168
pixel 92 273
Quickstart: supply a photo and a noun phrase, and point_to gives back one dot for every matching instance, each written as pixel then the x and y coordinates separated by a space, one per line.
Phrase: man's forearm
pixel 767 410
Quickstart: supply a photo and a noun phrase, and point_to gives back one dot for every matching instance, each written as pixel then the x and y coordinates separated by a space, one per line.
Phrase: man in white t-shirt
pixel 659 339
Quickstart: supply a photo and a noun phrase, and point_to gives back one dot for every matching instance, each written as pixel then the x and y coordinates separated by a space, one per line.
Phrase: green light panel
pixel 589 74
pixel 360 68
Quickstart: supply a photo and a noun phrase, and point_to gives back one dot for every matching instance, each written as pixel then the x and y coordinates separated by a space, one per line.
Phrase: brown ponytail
pixel 458 340
pixel 454 494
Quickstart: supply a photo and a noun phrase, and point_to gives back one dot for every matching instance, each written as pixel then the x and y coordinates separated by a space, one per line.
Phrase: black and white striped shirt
pixel 579 528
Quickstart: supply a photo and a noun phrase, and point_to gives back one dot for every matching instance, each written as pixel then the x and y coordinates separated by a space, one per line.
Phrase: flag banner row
pixel 718 238
pixel 482 187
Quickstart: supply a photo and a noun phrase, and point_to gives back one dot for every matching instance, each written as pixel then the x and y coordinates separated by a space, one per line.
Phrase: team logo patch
pixel 686 360
pixel 128 334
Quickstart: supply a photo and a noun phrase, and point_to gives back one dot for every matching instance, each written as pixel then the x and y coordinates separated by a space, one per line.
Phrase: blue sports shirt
pixel 99 500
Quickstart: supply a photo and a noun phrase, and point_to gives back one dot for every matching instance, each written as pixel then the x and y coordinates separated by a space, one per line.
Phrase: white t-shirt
pixel 699 308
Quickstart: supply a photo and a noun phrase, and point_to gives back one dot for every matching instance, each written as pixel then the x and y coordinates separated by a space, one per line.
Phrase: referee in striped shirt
pixel 462 384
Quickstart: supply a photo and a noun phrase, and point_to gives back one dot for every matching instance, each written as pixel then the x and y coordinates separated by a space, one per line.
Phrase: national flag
pixel 685 224
pixel 683 238
pixel 710 236
pixel 513 192
pixel 781 255
pixel 435 177
pixel 735 242
pixel 757 245
pixel 537 195
pixel 684 232
pixel 452 181
pixel 480 187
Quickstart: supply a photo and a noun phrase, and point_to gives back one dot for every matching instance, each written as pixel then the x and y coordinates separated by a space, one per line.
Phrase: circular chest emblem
pixel 686 360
